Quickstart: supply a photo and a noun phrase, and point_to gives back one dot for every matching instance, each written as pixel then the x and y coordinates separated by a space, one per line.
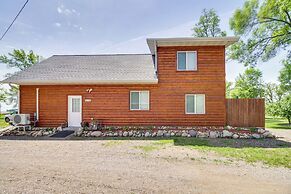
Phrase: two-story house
pixel 181 82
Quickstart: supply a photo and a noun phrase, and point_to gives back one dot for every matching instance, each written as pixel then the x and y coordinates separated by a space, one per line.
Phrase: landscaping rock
pixel 268 134
pixel 184 134
pixel 160 133
pixel 96 133
pixel 256 136
pixel 192 133
pixel 147 134
pixel 202 134
pixel 130 134
pixel 79 132
pixel 213 134
pixel 125 134
pixel 235 136
pixel 226 133
pixel 261 130
pixel 167 134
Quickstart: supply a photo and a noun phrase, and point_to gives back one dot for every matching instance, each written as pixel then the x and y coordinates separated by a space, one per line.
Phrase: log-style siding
pixel 110 103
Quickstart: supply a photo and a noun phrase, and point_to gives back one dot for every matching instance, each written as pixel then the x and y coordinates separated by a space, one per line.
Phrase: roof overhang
pixel 84 82
pixel 190 41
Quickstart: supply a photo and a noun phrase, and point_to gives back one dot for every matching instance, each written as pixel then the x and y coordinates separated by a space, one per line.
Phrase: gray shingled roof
pixel 89 69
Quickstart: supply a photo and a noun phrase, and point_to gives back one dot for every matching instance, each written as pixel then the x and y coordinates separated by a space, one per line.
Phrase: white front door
pixel 74 111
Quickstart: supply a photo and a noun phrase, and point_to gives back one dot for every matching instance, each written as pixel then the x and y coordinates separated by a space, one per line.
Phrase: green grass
pixel 225 147
pixel 276 123
pixel 2 122
pixel 147 148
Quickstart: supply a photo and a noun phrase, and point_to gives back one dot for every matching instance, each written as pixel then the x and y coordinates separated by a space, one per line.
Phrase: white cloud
pixel 61 9
pixel 57 24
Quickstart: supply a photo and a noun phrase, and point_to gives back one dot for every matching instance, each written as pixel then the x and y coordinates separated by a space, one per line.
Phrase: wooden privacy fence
pixel 245 112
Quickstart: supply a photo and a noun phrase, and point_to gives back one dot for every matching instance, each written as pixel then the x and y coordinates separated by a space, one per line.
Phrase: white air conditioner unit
pixel 21 119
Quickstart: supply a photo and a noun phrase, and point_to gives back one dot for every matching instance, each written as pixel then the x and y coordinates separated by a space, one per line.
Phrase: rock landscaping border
pixel 34 132
pixel 169 131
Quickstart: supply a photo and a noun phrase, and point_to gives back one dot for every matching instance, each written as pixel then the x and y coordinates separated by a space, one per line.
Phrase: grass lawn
pixel 275 154
pixel 277 123
pixel 2 122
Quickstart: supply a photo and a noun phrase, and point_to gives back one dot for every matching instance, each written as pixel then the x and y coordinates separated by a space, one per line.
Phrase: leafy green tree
pixel 249 84
pixel 20 59
pixel 273 93
pixel 284 109
pixel 285 75
pixel 208 25
pixel 228 89
pixel 265 28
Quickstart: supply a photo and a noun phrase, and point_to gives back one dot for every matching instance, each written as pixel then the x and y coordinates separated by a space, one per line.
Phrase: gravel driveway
pixel 107 166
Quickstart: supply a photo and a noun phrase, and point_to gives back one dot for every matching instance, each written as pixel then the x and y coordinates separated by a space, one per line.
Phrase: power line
pixel 14 19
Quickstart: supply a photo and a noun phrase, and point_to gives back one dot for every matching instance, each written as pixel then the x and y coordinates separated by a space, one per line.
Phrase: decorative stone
pixel 184 134
pixel 154 134
pixel 130 134
pixel 96 133
pixel 213 134
pixel 125 134
pixel 192 133
pixel 261 130
pixel 167 134
pixel 202 134
pixel 235 136
pixel 59 128
pixel 79 132
pixel 226 133
pixel 160 133
pixel 147 134
pixel 256 136
pixel 172 134
pixel 268 134
pixel 178 134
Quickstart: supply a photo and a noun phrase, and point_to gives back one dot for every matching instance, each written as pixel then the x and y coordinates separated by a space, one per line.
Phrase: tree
pixel 285 75
pixel 273 93
pixel 228 89
pixel 266 28
pixel 208 25
pixel 249 84
pixel 19 59
pixel 285 108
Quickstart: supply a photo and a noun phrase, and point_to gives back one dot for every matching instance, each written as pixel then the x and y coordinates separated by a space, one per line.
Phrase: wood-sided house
pixel 181 82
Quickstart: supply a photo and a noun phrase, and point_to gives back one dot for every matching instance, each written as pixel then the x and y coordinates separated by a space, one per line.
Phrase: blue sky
pixel 110 26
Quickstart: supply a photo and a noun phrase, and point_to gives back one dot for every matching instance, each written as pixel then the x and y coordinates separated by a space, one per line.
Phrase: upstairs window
pixel 187 60
pixel 139 100
pixel 195 103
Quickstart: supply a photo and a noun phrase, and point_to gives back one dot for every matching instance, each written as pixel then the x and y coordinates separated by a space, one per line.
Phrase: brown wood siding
pixel 246 112
pixel 110 103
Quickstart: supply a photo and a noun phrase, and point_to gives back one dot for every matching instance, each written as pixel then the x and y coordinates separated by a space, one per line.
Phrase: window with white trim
pixel 195 103
pixel 187 60
pixel 139 100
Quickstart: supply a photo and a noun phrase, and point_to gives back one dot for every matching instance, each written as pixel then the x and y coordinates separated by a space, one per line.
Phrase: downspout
pixel 156 58
pixel 18 99
pixel 37 104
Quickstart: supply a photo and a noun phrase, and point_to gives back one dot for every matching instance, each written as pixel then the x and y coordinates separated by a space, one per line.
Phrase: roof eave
pixel 99 82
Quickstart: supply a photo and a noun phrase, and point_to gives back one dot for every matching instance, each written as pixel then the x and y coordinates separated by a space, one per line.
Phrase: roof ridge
pixel 102 54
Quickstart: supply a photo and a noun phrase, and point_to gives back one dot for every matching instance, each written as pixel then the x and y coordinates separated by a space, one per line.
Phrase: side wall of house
pixel 110 103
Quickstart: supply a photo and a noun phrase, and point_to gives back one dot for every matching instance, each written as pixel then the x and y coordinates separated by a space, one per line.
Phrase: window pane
pixel 190 104
pixel 181 60
pixel 76 105
pixel 144 100
pixel 200 101
pixel 134 100
pixel 191 61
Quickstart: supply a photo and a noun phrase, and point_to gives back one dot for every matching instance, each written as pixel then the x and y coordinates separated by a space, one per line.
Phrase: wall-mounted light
pixel 89 90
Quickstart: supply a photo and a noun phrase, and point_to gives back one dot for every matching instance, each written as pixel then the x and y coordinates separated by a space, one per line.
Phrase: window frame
pixel 186 61
pixel 139 91
pixel 195 108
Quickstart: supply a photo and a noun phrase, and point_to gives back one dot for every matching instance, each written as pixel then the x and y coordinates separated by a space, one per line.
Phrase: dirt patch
pixel 104 166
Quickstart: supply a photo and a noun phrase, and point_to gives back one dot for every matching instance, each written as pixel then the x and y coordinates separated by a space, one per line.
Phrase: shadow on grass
pixel 177 141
